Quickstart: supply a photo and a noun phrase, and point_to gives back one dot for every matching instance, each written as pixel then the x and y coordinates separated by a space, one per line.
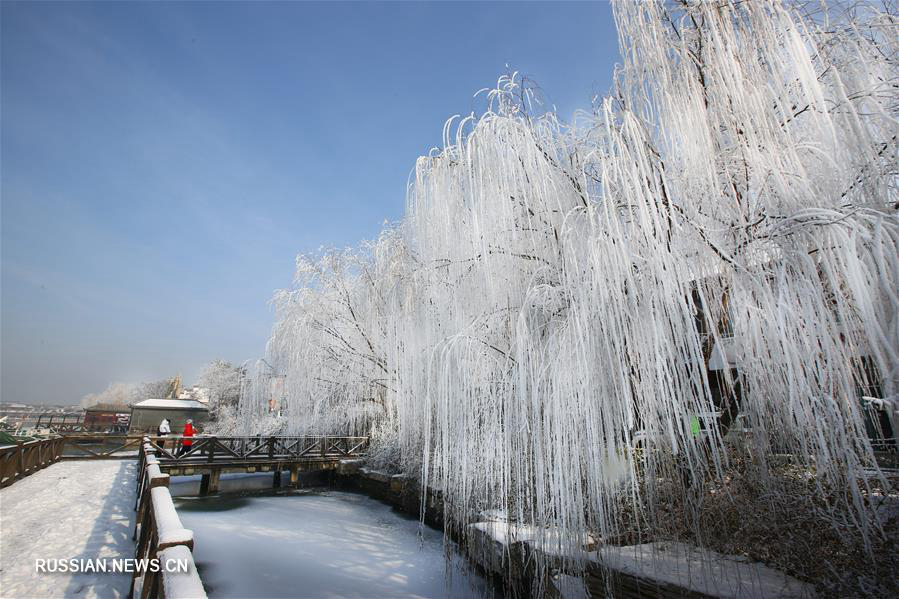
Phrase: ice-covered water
pixel 320 544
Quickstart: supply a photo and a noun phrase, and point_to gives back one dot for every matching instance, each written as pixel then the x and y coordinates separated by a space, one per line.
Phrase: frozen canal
pixel 319 544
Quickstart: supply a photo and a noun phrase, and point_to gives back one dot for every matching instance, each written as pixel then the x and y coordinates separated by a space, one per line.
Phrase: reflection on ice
pixel 229 483
pixel 320 544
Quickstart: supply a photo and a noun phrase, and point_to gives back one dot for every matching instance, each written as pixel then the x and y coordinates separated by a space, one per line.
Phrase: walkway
pixel 73 509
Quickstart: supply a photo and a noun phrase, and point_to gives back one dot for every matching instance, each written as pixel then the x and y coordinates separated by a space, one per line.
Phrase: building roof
pixel 171 404
pixel 108 407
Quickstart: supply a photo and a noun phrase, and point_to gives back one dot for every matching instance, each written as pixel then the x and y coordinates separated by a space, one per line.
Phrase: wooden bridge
pixel 211 456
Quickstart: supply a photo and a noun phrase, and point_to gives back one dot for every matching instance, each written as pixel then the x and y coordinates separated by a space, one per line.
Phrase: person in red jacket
pixel 189 431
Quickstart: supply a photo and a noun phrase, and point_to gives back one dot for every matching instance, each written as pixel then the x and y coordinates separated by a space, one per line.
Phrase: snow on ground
pixel 73 509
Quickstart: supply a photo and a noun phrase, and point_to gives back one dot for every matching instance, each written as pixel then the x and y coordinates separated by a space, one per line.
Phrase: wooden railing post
pixel 21 472
pixel 140 456
pixel 324 447
pixel 271 447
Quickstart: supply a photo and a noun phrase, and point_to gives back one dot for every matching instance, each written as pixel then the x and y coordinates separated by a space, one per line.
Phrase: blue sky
pixel 162 164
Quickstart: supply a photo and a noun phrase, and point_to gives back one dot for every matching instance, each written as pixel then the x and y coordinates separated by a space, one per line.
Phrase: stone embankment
pixel 507 550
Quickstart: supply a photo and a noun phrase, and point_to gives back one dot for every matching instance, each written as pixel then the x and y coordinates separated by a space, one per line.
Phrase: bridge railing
pixel 61 423
pixel 100 446
pixel 202 449
pixel 160 535
pixel 24 458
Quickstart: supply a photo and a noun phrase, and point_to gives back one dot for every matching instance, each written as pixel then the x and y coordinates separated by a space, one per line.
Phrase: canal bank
pixel 508 554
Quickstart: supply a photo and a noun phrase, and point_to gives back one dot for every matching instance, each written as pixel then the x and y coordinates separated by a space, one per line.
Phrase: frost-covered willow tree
pixel 536 335
pixel 335 344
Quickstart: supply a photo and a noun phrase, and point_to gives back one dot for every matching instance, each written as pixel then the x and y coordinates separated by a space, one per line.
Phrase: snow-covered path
pixel 72 509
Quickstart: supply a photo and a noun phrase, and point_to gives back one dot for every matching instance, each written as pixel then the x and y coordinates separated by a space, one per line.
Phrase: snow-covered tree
pixel 122 394
pixel 153 390
pixel 223 380
pixel 126 394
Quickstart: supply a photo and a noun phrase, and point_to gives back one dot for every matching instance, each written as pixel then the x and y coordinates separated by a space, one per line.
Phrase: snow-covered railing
pixel 181 584
pixel 19 460
pixel 149 476
pixel 160 535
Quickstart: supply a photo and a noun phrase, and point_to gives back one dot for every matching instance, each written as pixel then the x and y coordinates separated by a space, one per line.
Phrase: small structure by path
pixel 71 510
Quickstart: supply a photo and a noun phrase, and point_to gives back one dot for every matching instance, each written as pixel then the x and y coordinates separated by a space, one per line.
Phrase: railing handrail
pixel 160 535
pixel 256 437
pixel 27 457
pixel 99 436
